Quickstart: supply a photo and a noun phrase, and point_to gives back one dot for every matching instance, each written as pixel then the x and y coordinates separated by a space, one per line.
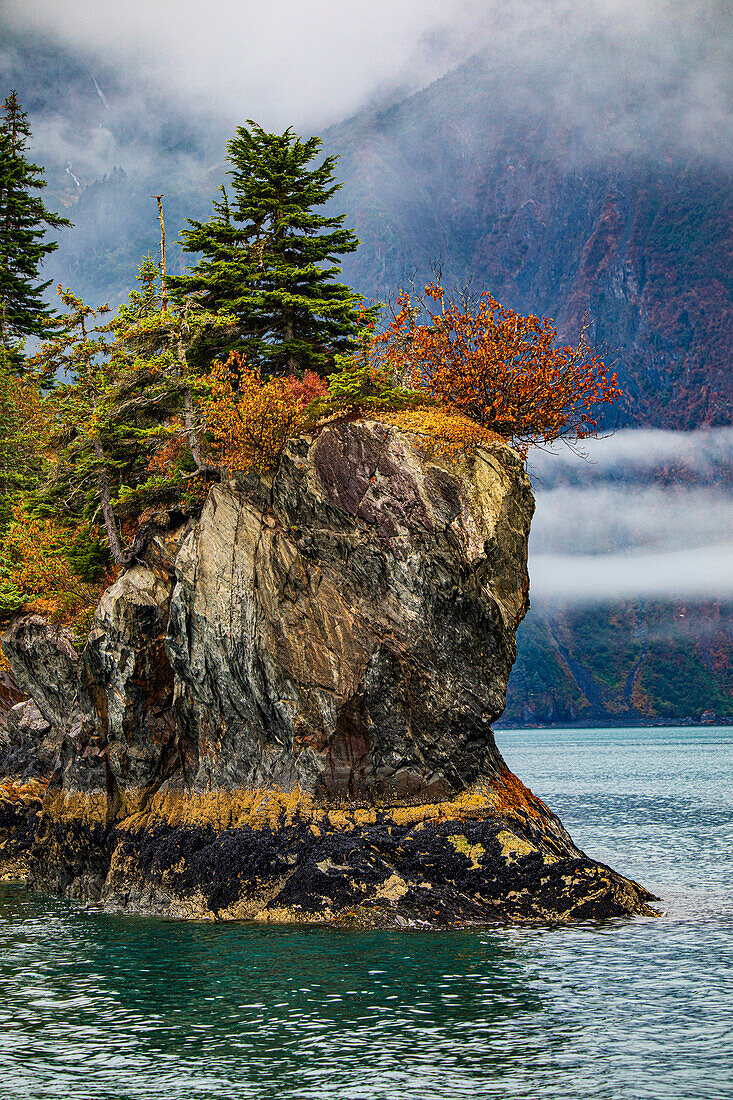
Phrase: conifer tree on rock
pixel 121 418
pixel 271 261
pixel 23 223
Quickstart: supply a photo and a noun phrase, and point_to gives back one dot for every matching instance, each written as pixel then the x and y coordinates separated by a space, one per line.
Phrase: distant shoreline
pixel 608 723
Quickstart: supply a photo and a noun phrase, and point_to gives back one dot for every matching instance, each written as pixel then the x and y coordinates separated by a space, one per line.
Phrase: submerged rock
pixel 297 725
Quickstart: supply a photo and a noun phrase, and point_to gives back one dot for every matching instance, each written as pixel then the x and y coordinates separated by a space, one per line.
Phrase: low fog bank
pixel 649 515
pixel 702 456
pixel 705 573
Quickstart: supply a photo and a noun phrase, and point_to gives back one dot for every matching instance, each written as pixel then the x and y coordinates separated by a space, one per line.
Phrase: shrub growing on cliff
pixel 250 419
pixel 502 370
pixel 465 376
pixel 22 428
pixel 47 568
pixel 123 427
pixel 362 384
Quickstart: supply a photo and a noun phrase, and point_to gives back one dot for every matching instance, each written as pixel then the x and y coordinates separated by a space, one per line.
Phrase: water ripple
pixel 95 1007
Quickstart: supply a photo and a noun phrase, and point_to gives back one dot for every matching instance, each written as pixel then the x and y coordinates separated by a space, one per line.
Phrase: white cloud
pixel 619 70
pixel 305 62
pixel 705 573
pixel 651 516
pixel 609 517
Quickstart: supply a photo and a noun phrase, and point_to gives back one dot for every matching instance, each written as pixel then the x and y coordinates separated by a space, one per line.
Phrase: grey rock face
pixel 107 713
pixel 45 665
pixel 10 693
pixel 126 684
pixel 351 631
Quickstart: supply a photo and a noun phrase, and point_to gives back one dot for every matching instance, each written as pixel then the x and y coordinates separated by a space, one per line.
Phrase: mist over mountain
pixel 108 144
pixel 556 221
pixel 578 163
pixel 631 580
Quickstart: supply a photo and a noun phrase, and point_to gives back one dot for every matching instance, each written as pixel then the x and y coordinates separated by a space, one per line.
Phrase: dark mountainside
pixel 645 660
pixel 483 176
pixel 635 662
pixel 523 207
pixel 642 242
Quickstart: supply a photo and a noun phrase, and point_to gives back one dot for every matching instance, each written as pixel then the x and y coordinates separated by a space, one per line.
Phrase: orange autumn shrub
pixel 36 575
pixel 504 371
pixel 458 375
pixel 249 420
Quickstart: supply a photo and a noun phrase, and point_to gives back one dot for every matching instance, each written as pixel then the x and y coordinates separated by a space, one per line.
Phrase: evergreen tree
pixel 21 457
pixel 85 465
pixel 124 424
pixel 23 223
pixel 269 260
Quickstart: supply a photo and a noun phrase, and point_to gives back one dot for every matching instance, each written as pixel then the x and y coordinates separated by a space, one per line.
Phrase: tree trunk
pixel 109 517
pixel 290 361
pixel 163 264
pixel 193 442
pixel 404 380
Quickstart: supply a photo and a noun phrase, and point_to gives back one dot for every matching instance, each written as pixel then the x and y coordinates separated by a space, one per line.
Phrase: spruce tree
pixel 271 261
pixel 23 223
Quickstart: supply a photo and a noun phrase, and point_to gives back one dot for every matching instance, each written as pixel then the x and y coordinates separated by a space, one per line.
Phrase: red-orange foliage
pixel 501 369
pixel 35 568
pixel 168 455
pixel 250 420
pixel 306 389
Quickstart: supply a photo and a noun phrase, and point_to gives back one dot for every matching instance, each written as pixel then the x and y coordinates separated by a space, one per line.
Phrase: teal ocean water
pixel 99 1007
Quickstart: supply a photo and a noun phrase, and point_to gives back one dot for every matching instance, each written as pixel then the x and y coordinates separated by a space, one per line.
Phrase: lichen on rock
pixel 285 712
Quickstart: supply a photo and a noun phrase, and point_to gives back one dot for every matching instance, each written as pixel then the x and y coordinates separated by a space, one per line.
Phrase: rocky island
pixel 284 708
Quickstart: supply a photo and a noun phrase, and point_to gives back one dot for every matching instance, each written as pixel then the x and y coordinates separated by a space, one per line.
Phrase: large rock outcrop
pixel 285 713
pixel 352 632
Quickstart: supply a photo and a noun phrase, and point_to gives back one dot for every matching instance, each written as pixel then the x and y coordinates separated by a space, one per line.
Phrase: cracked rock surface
pixel 352 631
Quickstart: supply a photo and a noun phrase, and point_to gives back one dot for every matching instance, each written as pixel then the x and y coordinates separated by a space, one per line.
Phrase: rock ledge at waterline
pixel 284 712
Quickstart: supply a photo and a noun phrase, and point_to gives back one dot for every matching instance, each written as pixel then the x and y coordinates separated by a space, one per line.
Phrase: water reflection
pixel 125 1002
